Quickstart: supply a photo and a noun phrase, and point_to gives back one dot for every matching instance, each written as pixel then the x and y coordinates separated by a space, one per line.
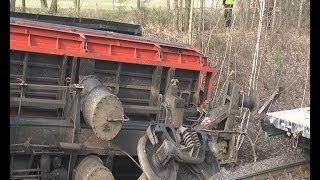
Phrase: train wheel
pixel 150 168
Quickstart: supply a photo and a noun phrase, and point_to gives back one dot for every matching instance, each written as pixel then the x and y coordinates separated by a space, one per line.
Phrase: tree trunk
pixel 201 15
pixel 187 8
pixel 246 16
pixel 97 8
pixel 44 3
pixel 54 6
pixel 280 15
pixel 273 15
pixel 13 5
pixel 23 8
pixel 300 14
pixel 217 2
pixel 75 3
pixel 253 14
pixel 138 4
pixel 202 5
pixel 286 13
pixel 176 13
pixel 168 4
pixel 180 17
pixel 190 22
pixel 78 6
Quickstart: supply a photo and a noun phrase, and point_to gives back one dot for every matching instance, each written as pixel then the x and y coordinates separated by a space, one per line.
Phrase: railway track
pixel 284 171
pixel 292 165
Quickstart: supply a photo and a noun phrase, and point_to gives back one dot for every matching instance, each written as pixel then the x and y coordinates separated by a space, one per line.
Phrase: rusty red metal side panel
pixel 48 38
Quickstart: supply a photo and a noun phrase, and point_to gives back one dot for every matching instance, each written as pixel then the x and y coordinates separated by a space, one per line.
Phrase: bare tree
pixel 190 22
pixel 202 5
pixel 13 5
pixel 201 15
pixel 54 6
pixel 180 16
pixel 176 13
pixel 253 14
pixel 44 3
pixel 77 5
pixel 187 14
pixel 300 14
pixel 246 8
pixel 273 15
pixel 97 7
pixel 279 17
pixel 23 8
pixel 138 4
pixel 286 13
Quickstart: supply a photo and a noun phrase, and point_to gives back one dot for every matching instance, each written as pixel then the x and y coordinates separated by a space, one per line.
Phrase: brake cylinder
pixel 101 109
pixel 92 168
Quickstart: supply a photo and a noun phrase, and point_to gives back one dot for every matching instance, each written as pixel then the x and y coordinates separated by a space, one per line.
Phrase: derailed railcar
pixel 294 123
pixel 82 100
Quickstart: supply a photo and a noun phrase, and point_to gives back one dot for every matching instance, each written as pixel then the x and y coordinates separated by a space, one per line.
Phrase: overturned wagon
pixel 84 100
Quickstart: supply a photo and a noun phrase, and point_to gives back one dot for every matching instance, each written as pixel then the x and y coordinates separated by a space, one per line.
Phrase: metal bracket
pixel 84 44
pixel 76 112
pixel 123 120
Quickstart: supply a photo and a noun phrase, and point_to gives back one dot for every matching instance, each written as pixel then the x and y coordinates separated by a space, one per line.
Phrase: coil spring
pixel 196 138
pixel 188 139
pixel 191 138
